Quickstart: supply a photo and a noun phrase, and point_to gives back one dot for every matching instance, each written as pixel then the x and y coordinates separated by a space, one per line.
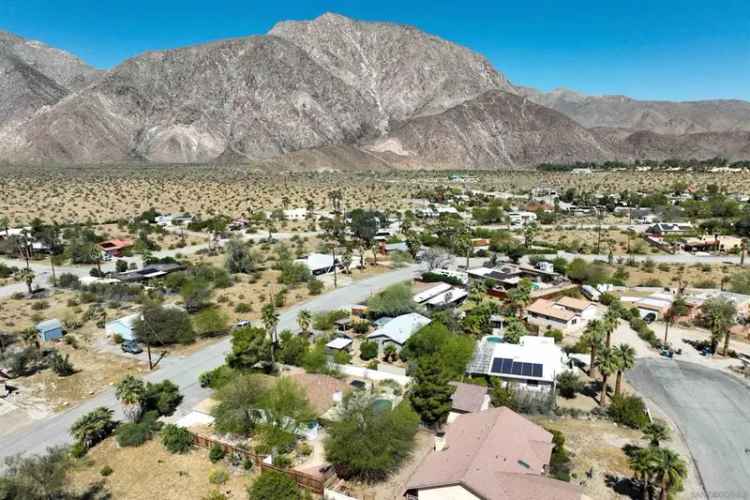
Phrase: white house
pixel 451 297
pixel 318 263
pixel 122 327
pixel 398 330
pixel 532 364
pixel 431 292
pixel 566 314
pixel 295 214
pixel 521 218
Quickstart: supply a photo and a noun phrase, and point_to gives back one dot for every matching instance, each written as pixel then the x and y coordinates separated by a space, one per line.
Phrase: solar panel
pixel 536 370
pixel 526 367
pixel 507 365
pixel 517 369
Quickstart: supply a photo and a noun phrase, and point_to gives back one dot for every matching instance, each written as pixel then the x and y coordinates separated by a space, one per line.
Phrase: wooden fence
pixel 314 484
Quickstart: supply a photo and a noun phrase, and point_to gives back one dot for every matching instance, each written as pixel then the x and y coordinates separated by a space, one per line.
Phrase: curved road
pixel 185 370
pixel 712 411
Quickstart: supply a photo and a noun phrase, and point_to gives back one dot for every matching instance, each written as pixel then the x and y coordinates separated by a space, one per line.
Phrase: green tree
pixel 364 226
pixel 210 321
pixel 270 321
pixel 304 319
pixel 678 308
pixel 159 326
pixel 293 348
pixel 196 294
pixel 93 427
pixel 393 301
pixel 669 471
pixel 607 364
pixel 593 337
pixel 285 406
pixel 529 233
pixel 27 276
pixel 643 465
pixel 656 432
pixel 514 330
pixel 349 444
pixel 272 485
pixel 520 296
pixel 37 477
pixel 624 356
pixel 237 411
pixel 718 314
pixel 131 391
pixel 250 346
pixel 568 384
pixel 238 257
pixel 431 392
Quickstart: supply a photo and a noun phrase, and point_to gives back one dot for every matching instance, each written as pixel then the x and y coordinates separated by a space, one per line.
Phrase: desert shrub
pixel 706 283
pixel 210 321
pixel 243 308
pixel 361 327
pixel 393 301
pixel 216 453
pixel 133 433
pixel 315 286
pixel 628 410
pixel 40 305
pixel 218 476
pixel 176 439
pixel 568 384
pixel 327 320
pixel 216 378
pixel 67 280
pixel 368 350
pixel 342 358
pixel 60 364
pixel 272 485
pixel 163 397
pixel 429 277
pixel 559 464
pixel 106 471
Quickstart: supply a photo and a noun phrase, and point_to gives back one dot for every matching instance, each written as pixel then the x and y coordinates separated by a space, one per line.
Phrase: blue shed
pixel 51 329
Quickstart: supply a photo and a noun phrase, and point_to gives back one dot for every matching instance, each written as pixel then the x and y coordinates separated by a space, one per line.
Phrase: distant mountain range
pixel 332 93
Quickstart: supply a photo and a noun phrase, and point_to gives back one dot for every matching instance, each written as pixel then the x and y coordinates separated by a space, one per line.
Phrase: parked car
pixel 131 347
pixel 649 318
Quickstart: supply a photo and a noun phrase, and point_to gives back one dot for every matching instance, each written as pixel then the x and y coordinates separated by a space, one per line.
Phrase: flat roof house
pixel 532 364
pixel 398 330
pixel 491 455
pixel 52 329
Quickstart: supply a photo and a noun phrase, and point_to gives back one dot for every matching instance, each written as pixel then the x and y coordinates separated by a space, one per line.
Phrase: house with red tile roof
pixel 491 455
pixel 114 248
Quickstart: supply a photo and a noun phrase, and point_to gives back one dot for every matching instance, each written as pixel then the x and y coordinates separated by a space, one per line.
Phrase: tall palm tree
pixel 669 471
pixel 607 366
pixel 130 391
pixel 678 308
pixel 304 320
pixel 625 358
pixel 609 322
pixel 719 313
pixel 593 337
pixel 270 321
pixel 643 464
pixel 656 432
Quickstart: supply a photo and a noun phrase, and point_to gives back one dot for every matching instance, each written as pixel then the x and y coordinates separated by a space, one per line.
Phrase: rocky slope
pixel 661 117
pixel 33 75
pixel 332 93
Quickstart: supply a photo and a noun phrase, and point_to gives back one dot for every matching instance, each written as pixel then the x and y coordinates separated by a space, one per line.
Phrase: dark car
pixel 650 318
pixel 131 347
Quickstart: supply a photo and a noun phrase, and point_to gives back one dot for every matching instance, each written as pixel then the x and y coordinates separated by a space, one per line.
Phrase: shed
pixel 339 344
pixel 122 327
pixel 48 330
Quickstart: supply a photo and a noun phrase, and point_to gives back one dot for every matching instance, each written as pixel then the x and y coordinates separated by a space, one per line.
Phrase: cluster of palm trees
pixel 605 359
pixel 657 467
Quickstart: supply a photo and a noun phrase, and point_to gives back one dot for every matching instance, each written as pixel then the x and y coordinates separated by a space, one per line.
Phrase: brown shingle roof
pixel 573 303
pixel 468 397
pixel 320 389
pixel 498 455
pixel 546 308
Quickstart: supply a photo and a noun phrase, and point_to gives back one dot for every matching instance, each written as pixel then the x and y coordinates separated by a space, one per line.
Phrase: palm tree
pixel 270 320
pixel 678 308
pixel 130 391
pixel 669 470
pixel 520 296
pixel 656 432
pixel 93 427
pixel 607 366
pixel 643 464
pixel 304 319
pixel 718 313
pixel 625 358
pixel 477 291
pixel 593 337
pixel 609 322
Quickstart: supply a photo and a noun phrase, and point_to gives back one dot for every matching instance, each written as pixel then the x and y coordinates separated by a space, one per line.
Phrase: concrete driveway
pixel 712 411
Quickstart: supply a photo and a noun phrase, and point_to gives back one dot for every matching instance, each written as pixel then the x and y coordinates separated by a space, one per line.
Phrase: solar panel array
pixel 508 367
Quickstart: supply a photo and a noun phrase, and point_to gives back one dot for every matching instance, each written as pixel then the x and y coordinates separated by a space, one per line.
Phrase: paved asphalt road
pixel 712 410
pixel 184 371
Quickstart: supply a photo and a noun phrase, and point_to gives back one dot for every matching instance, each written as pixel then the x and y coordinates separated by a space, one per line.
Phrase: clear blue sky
pixel 657 49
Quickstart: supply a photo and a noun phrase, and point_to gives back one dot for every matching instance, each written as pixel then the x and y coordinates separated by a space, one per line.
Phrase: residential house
pixel 521 218
pixel 398 330
pixel 52 329
pixel 532 364
pixel 491 455
pixel 450 298
pixel 114 248
pixel 583 308
pixel 148 272
pixel 122 327
pixel 468 398
pixel 319 263
pixel 295 214
pixel 662 229
pixel 431 292
pixel 339 344
pixel 548 315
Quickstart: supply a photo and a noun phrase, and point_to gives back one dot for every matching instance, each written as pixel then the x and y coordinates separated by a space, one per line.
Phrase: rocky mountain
pixel 33 75
pixel 661 117
pixel 331 93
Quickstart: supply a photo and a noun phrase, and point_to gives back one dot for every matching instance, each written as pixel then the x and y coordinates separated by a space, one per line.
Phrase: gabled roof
pixel 50 324
pixel 498 455
pixel 401 328
pixel 573 303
